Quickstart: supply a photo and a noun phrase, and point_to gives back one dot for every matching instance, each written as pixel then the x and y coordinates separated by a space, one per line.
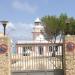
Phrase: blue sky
pixel 22 13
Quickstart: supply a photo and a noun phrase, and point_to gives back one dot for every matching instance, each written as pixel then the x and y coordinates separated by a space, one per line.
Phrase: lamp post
pixel 4 23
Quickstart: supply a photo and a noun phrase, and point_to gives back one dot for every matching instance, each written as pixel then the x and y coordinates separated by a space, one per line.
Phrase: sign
pixel 70 46
pixel 3 48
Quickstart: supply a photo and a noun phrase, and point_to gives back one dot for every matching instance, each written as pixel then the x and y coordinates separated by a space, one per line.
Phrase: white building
pixel 39 46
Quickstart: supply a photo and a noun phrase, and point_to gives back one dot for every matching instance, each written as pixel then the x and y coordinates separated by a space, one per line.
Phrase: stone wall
pixel 5 56
pixel 69 55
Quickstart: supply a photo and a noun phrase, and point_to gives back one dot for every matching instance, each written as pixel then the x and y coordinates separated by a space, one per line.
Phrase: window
pixel 40 48
pixel 24 49
pixel 56 48
pixel 50 48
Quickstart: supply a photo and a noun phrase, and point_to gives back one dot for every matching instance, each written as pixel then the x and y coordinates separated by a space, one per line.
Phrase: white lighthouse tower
pixel 38 30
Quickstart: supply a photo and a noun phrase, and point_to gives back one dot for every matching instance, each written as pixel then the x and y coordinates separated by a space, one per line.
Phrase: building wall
pixel 35 49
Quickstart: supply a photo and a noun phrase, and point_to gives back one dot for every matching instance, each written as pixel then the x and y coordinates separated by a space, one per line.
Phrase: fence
pixel 51 61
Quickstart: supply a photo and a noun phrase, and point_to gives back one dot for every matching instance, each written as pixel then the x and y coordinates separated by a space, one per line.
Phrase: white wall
pixel 20 50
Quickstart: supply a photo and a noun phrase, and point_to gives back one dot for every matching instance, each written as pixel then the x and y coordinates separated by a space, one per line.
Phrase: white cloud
pixel 10 25
pixel 24 6
pixel 1 27
pixel 22 31
pixel 18 31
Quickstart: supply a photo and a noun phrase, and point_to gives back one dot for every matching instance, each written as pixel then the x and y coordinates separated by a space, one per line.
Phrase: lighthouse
pixel 38 30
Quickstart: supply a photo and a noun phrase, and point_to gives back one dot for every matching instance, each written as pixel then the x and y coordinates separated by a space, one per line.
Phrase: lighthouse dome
pixel 37 20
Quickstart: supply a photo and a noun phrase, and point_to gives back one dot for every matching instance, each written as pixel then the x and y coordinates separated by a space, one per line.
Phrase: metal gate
pixel 50 64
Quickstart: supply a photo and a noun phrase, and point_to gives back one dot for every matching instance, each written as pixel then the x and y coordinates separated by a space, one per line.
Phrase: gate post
pixel 5 47
pixel 70 55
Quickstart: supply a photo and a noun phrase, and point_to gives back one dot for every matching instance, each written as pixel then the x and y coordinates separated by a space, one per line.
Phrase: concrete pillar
pixel 5 48
pixel 69 55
